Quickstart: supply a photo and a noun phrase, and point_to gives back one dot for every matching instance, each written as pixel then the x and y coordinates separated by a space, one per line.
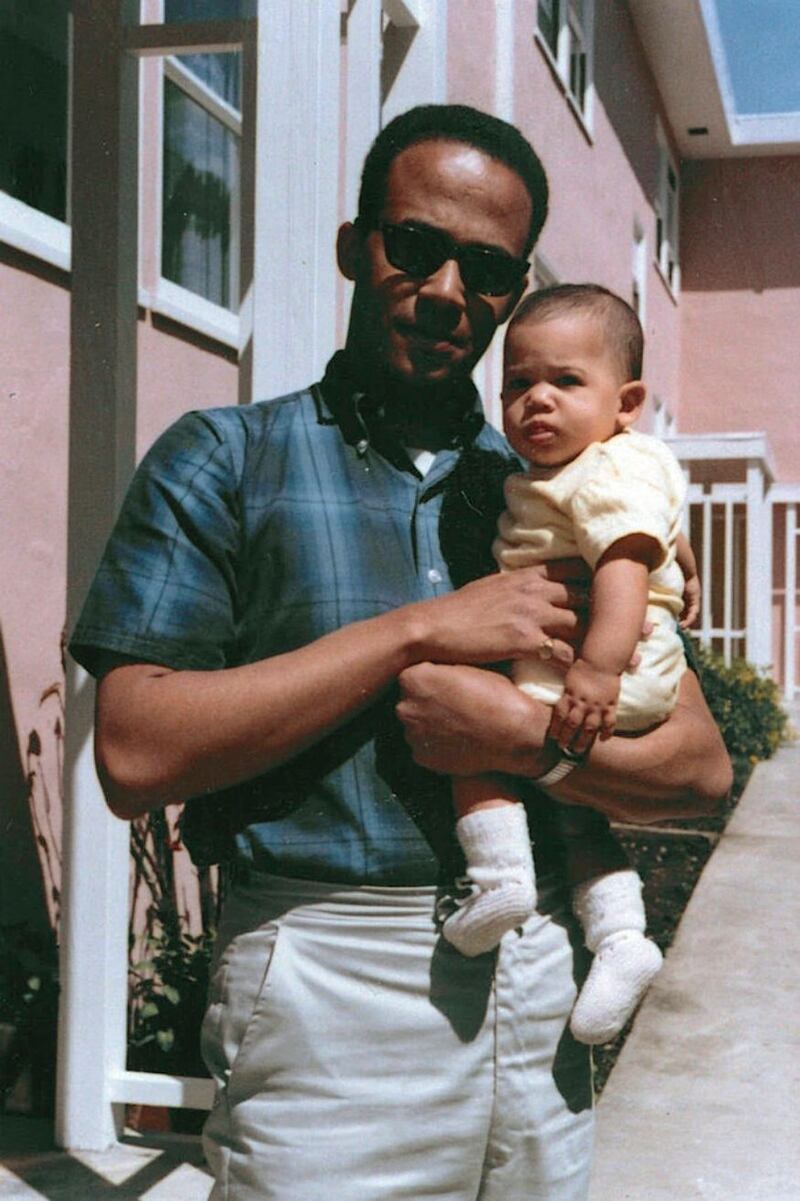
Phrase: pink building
pixel 156 256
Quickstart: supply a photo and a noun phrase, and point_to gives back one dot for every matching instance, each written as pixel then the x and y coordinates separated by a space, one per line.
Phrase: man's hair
pixel 452 123
pixel 620 324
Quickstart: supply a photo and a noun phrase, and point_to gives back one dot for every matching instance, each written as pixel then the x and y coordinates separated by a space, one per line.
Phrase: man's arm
pixel 463 721
pixel 164 735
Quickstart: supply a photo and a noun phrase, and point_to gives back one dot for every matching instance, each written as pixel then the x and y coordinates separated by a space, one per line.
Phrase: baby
pixel 598 490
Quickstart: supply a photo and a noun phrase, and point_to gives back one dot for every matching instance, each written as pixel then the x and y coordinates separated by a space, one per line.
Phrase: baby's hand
pixel 691 601
pixel 588 707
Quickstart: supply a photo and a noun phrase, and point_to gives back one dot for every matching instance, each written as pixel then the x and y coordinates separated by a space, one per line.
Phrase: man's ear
pixel 631 399
pixel 349 247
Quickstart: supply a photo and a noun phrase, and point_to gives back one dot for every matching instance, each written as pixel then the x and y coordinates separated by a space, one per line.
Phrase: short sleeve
pixel 635 487
pixel 165 590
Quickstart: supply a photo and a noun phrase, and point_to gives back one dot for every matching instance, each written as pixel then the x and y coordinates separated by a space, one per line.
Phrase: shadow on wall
pixel 739 227
pixel 22 896
pixel 625 88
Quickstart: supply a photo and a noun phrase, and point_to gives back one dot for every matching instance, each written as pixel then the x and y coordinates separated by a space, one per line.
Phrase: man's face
pixel 429 329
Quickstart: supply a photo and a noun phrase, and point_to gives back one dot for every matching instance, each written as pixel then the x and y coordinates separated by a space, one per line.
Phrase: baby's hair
pixel 621 325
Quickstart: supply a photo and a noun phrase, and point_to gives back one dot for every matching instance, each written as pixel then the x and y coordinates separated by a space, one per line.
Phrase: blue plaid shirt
pixel 248 532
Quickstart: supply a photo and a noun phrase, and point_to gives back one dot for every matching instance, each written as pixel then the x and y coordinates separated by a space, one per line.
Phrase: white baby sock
pixel 497 847
pixel 611 911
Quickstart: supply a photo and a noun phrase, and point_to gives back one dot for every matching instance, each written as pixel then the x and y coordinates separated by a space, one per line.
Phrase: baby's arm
pixel 619 604
pixel 691 581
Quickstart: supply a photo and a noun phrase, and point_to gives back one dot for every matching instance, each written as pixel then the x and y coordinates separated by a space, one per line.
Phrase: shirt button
pixel 435 576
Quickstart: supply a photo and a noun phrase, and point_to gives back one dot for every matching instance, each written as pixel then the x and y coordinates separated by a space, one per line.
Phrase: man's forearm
pixel 466 722
pixel 165 735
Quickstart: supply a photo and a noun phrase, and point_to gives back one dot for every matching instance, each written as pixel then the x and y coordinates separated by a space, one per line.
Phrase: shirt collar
pixel 364 422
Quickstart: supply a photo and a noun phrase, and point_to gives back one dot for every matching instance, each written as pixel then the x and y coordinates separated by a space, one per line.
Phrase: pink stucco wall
pixel 177 371
pixel 740 249
pixel 602 180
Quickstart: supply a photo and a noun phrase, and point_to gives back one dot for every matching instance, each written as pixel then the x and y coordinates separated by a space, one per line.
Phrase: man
pixel 274 571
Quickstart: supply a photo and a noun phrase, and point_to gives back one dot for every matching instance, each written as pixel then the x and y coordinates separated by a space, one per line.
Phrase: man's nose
pixel 445 286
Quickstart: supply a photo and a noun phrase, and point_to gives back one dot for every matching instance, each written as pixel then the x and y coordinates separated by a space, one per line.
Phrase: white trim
pixel 639 264
pixel 296 172
pixel 194 311
pixel 725 446
pixel 790 627
pixel 35 233
pixel 202 94
pixel 159 1088
pixel 505 22
pixel 422 77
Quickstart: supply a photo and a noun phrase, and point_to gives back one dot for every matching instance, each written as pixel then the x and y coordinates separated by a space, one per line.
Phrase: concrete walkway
pixel 704 1101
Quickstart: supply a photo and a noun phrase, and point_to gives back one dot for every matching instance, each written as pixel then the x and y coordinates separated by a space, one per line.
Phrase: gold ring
pixel 545 651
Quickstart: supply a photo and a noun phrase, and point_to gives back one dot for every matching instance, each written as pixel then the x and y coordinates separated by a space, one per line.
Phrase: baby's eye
pixel 517 383
pixel 568 380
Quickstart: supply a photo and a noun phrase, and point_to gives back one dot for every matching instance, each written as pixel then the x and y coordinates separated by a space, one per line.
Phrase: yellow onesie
pixel 631 484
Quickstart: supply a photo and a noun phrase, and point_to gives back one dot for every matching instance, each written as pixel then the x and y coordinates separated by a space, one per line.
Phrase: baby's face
pixel 562 388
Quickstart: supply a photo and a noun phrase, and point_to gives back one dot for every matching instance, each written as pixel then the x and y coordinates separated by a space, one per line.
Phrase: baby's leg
pixel 607 900
pixel 492 828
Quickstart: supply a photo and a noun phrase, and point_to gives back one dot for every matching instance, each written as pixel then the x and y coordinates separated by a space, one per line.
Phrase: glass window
pixel 666 209
pixel 548 21
pixel 33 103
pixel 200 199
pixel 202 135
pixel 565 28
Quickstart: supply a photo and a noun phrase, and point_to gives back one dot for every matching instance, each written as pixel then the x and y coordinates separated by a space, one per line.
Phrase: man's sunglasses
pixel 420 252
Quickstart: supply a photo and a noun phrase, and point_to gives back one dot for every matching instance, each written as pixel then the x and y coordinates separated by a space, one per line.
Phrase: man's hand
pixel 462 721
pixel 587 707
pixel 504 616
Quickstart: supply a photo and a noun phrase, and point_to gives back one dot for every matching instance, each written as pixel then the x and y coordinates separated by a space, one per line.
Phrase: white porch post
pixel 790 627
pixel 293 291
pixel 422 76
pixel 101 456
pixel 759 569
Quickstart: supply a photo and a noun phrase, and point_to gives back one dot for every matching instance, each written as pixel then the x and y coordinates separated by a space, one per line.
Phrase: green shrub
pixel 745 704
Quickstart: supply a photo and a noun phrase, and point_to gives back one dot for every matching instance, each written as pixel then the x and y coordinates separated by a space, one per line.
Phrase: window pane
pixel 200 205
pixel 33 103
pixel 220 72
pixel 548 19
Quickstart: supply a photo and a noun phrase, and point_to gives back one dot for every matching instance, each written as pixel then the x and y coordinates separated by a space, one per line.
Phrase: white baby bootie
pixel 500 876
pixel 611 911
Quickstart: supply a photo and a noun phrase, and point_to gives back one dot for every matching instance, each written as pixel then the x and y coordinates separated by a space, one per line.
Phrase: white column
pixel 92 1019
pixel 759 583
pixel 296 171
pixel 422 75
pixel 789 612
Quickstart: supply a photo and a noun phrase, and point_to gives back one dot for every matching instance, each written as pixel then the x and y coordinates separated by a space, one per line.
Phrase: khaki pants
pixel 360 1058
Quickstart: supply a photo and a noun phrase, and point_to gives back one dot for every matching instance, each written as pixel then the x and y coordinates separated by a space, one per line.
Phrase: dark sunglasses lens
pixel 418 252
pixel 488 273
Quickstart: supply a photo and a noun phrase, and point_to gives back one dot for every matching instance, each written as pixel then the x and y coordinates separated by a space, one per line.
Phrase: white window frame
pixel 29 229
pixel 639 271
pixel 667 213
pixel 171 299
pixel 572 33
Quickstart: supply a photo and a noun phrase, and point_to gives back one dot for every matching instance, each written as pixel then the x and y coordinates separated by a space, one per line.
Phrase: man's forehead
pixel 443 179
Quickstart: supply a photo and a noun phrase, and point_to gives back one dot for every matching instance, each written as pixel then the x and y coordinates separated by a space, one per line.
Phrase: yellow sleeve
pixel 635 487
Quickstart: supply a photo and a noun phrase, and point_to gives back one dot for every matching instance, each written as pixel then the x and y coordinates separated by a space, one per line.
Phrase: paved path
pixel 704 1101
